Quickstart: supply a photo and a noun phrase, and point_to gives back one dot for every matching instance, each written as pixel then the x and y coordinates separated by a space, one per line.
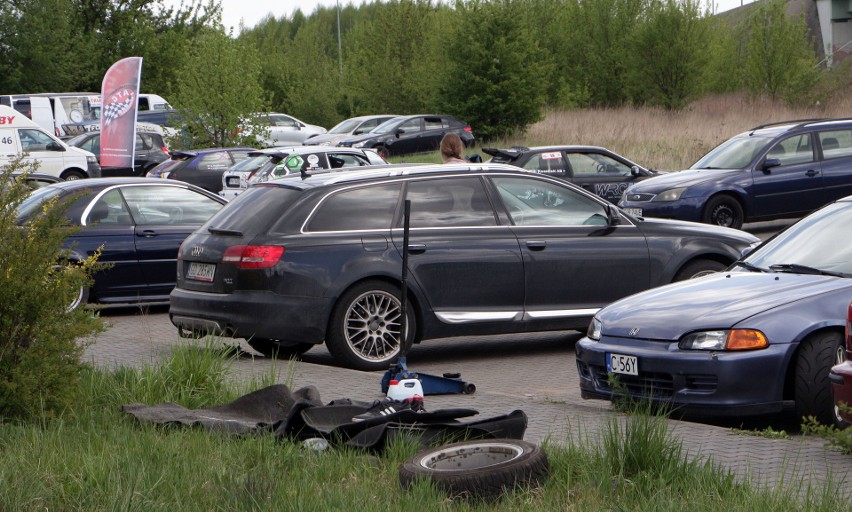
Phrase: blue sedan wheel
pixel 723 210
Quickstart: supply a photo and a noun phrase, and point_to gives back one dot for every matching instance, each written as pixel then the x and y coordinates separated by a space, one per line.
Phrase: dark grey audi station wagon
pixel 493 249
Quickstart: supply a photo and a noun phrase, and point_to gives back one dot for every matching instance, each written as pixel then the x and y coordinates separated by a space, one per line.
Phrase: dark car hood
pixel 687 178
pixel 719 301
pixel 367 136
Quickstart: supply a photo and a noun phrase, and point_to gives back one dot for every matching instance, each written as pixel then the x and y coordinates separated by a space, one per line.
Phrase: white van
pixel 66 113
pixel 20 135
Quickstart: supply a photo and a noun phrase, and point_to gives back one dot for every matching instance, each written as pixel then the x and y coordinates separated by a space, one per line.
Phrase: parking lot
pixel 534 372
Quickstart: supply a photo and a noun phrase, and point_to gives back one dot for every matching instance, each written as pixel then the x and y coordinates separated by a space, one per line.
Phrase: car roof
pixel 108 182
pixel 204 151
pixel 300 150
pixel 772 129
pixel 373 172
pixel 516 151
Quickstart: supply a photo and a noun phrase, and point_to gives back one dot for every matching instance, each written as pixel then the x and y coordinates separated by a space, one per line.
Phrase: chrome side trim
pixel 560 313
pixel 464 317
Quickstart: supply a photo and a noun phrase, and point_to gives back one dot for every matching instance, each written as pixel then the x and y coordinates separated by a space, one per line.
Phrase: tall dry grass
pixel 660 139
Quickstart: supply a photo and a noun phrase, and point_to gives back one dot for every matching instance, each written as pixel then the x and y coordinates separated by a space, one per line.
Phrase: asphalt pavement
pixel 533 372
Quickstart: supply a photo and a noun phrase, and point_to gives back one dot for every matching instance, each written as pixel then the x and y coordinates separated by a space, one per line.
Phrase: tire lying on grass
pixel 478 469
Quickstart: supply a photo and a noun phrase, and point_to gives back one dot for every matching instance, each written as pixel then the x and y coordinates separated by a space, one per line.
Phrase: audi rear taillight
pixel 253 256
pixel 468 129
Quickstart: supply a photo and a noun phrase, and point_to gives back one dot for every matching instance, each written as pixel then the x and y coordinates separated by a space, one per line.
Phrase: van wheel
pixel 72 175
pixel 364 332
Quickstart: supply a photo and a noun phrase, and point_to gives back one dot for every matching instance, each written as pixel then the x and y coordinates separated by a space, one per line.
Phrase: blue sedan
pixel 751 340
pixel 139 223
pixel 784 170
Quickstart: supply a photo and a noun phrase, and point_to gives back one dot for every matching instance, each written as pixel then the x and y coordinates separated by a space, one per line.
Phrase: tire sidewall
pixel 736 210
pixel 813 394
pixel 336 341
pixel 530 465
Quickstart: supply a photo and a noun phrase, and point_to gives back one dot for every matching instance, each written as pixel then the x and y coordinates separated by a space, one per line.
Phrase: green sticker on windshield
pixel 294 163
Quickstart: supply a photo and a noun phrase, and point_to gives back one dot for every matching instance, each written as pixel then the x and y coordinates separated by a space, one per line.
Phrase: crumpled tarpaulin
pixel 301 415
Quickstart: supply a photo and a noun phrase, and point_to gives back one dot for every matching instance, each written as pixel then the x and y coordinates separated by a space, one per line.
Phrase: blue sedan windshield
pixel 735 153
pixel 815 241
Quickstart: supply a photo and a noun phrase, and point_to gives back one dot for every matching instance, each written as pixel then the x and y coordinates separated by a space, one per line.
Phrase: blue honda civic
pixel 751 340
pixel 782 170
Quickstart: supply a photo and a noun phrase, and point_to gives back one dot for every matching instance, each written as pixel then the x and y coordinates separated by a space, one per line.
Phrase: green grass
pixel 97 458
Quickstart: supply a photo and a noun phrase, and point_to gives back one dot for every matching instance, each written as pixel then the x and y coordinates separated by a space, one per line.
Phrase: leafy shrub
pixel 841 438
pixel 39 352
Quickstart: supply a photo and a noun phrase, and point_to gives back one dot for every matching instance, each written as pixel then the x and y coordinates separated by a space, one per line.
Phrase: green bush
pixel 39 352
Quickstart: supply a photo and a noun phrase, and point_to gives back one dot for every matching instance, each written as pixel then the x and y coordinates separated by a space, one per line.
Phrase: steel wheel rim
pixel 372 326
pixel 703 273
pixel 78 299
pixel 723 215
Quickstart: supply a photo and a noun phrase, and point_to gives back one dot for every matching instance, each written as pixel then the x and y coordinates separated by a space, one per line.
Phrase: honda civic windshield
pixel 815 244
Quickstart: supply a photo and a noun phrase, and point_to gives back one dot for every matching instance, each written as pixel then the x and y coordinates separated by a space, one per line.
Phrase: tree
pixel 599 44
pixel 669 47
pixel 780 60
pixel 42 48
pixel 39 350
pixel 393 61
pixel 495 69
pixel 219 92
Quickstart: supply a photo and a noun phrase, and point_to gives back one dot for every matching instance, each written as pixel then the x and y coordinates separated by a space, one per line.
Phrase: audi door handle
pixel 416 248
pixel 811 173
pixel 536 245
pixel 149 233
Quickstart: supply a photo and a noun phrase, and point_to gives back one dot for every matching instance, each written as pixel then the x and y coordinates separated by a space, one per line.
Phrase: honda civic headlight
pixel 733 339
pixel 594 332
pixel 670 195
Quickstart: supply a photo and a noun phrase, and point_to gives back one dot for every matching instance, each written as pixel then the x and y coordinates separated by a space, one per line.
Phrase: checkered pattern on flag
pixel 114 110
pixel 119 96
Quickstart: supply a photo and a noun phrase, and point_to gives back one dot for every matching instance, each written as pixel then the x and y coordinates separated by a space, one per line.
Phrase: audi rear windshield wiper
pixel 224 232
pixel 795 268
pixel 749 266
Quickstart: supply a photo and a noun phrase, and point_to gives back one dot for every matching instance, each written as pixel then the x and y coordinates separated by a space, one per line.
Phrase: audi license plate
pixel 636 212
pixel 620 363
pixel 201 271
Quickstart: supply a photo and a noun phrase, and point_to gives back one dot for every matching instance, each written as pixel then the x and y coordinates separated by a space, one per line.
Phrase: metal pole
pixel 403 322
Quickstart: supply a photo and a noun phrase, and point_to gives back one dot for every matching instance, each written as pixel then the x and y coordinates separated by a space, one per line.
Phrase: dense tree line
pixel 495 63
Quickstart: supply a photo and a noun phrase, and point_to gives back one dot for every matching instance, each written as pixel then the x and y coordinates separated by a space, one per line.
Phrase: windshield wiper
pixel 753 268
pixel 224 232
pixel 795 268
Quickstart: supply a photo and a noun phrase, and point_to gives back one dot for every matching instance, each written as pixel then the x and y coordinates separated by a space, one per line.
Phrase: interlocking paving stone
pixel 534 372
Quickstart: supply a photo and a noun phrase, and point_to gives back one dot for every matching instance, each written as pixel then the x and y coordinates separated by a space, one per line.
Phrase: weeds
pixel 99 459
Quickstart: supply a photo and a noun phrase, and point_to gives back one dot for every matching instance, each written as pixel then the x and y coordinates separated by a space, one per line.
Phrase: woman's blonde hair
pixel 452 146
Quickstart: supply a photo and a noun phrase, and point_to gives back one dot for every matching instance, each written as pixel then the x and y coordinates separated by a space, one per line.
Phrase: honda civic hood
pixel 720 301
pixel 670 180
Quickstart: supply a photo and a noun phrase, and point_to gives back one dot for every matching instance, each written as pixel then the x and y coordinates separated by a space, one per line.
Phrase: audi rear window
pixel 254 210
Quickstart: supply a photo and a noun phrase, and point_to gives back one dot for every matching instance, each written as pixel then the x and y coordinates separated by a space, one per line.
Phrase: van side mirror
pixel 55 146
